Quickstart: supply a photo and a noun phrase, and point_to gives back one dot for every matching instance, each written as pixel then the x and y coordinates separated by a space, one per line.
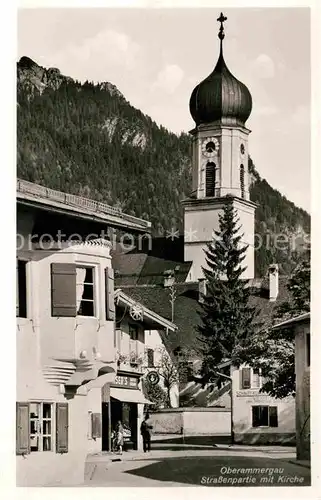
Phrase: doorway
pixel 127 414
pixel 106 433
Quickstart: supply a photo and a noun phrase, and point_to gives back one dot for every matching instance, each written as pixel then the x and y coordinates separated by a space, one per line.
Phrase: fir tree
pixel 227 317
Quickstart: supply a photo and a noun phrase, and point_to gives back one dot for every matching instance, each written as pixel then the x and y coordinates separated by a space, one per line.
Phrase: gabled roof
pixel 150 317
pixel 143 269
pixel 267 308
pixel 154 268
pixel 128 267
pixel 186 309
pixel 304 317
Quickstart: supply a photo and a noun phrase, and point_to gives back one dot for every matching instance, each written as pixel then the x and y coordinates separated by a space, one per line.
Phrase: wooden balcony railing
pixel 79 201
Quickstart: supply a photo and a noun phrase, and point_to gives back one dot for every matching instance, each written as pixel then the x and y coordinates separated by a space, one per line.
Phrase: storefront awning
pixel 129 396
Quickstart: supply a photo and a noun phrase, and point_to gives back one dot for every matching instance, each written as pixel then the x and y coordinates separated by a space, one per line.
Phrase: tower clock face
pixel 210 147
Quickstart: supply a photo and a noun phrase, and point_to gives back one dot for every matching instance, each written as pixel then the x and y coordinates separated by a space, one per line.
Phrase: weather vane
pixel 221 20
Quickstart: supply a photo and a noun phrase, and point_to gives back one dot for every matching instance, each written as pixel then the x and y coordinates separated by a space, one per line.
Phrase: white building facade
pixel 257 417
pixel 66 345
pixel 65 353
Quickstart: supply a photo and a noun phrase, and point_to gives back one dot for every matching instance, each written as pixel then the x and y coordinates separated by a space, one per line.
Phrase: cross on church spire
pixel 221 20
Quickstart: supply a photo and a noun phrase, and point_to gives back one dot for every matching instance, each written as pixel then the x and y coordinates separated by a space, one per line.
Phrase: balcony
pixel 130 356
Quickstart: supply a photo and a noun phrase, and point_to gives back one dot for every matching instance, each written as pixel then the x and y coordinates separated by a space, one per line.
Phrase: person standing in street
pixel 120 437
pixel 145 430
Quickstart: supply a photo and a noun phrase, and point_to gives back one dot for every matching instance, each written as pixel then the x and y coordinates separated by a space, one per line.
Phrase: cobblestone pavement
pixel 216 467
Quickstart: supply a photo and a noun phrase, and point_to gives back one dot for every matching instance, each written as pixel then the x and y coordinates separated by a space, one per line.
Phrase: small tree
pixel 168 370
pixel 154 393
pixel 171 368
pixel 227 318
pixel 272 352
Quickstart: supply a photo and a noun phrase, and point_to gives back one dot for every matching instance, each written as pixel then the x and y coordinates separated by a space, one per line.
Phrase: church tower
pixel 220 106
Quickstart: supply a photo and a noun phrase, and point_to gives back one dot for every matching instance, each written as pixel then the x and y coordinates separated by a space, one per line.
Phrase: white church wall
pixel 202 219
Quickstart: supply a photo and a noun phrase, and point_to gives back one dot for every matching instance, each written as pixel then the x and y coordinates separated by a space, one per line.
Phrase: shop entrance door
pixel 127 414
pixel 105 417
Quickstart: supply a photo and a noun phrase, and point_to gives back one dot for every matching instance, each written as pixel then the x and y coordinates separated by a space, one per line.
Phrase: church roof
pixel 220 96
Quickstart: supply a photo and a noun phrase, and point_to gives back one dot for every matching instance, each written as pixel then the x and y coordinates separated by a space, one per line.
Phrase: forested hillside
pixel 87 139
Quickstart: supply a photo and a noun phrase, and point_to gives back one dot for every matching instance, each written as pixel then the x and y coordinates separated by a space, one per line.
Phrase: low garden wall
pixel 192 421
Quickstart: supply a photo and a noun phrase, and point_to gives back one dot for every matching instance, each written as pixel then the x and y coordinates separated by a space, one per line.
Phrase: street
pixel 197 467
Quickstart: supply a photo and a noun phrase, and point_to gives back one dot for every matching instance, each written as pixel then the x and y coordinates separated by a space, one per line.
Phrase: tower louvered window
pixel 210 179
pixel 242 181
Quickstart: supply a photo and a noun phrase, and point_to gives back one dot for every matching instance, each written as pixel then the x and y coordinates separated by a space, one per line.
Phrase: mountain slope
pixel 87 139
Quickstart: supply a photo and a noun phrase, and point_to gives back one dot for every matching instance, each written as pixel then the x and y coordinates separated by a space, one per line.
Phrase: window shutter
pixel 62 427
pixel 109 290
pixel 63 290
pixel 246 378
pixel 242 180
pixel 255 416
pixel 273 416
pixel 150 358
pixel 22 430
pixel 308 349
pixel 96 425
pixel 255 380
pixel 17 288
pixel 210 179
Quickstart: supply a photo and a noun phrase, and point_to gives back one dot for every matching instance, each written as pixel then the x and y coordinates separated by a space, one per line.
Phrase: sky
pixel 157 56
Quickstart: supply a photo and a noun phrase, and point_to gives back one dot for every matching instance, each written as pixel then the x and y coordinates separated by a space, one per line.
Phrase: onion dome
pixel 221 97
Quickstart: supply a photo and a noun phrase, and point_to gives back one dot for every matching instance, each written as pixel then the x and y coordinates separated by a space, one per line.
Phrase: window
pixel 133 332
pixel 118 337
pixel 85 291
pixel 37 425
pixel 255 380
pixel 21 290
pixel 308 353
pixel 40 430
pixel 210 179
pixel 109 294
pixel 245 378
pixel 242 181
pixel 150 358
pixel 264 416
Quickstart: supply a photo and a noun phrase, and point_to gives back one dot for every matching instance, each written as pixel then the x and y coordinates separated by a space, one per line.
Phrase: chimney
pixel 169 278
pixel 201 289
pixel 273 282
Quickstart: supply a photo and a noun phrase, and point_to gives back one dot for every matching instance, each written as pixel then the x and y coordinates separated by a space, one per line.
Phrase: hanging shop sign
pixel 153 377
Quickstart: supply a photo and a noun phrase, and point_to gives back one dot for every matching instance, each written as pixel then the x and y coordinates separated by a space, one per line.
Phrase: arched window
pixel 242 181
pixel 210 179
